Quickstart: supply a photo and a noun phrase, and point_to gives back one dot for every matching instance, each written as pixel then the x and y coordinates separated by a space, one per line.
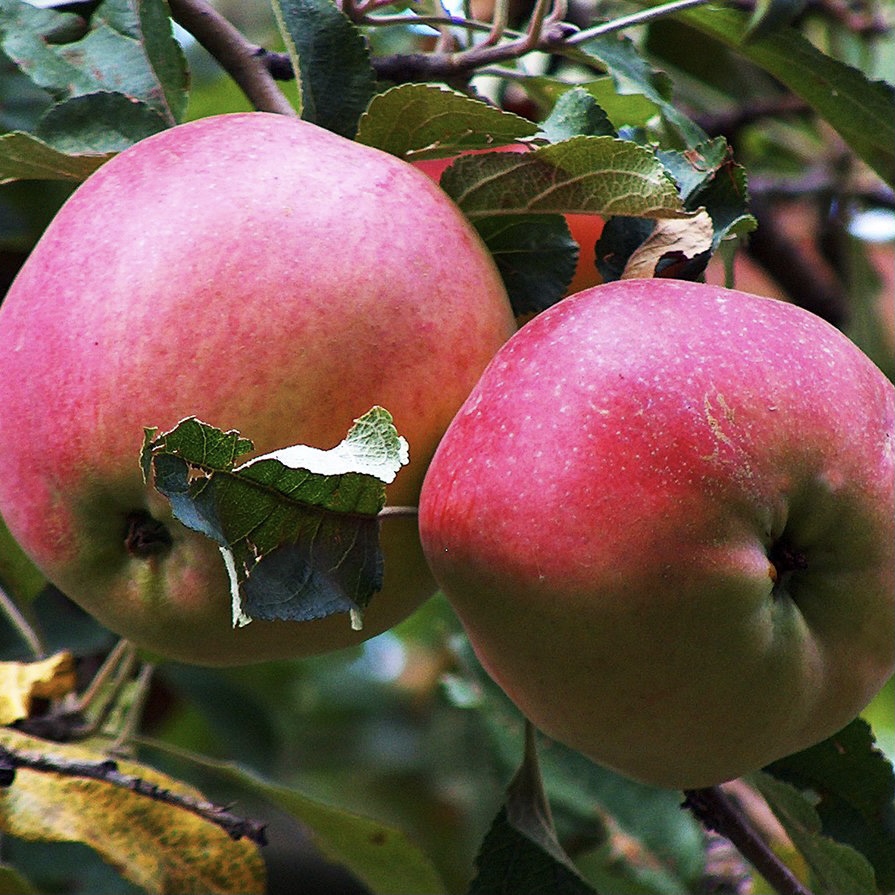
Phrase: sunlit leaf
pixel 23 682
pixel 590 175
pixel 162 848
pixel 418 121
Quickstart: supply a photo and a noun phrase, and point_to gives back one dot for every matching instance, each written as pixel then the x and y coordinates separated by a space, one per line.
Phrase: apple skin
pixel 586 229
pixel 665 517
pixel 262 274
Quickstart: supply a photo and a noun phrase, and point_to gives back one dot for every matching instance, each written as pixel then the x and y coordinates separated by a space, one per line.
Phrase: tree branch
pixel 107 772
pixel 713 808
pixel 244 62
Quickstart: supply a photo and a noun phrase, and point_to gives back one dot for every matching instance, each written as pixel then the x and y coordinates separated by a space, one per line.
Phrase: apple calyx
pixel 784 559
pixel 146 536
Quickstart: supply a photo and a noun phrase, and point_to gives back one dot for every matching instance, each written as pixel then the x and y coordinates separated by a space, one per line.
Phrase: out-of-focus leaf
pixel 124 51
pixel 24 157
pixel 418 121
pixel 520 854
pixel 861 110
pixel 23 682
pixel 298 528
pixel 837 868
pixel 576 113
pixel 163 848
pixel 590 175
pixel 334 77
pixel 380 855
pixel 853 794
pixel 769 15
pixel 535 255
pixel 13 883
pixel 18 575
pixel 661 847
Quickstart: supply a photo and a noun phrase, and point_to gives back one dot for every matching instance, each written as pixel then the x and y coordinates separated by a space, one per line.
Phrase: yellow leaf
pixel 163 848
pixel 21 682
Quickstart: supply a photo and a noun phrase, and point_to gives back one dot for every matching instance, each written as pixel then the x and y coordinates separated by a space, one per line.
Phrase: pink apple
pixel 665 516
pixel 264 275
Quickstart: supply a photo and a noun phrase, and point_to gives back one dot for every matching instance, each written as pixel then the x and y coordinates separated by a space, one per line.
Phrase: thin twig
pixel 637 18
pixel 106 771
pixel 717 812
pixel 237 56
pixel 17 619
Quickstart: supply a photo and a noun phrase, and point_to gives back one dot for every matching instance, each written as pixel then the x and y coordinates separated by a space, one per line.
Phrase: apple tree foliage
pixel 692 129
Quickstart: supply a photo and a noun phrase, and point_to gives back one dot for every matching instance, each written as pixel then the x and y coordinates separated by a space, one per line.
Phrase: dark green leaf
pixel 769 15
pixel 98 123
pixel 662 845
pixel 575 113
pixel 591 175
pixel 853 789
pixel 335 79
pixel 298 528
pixel 419 121
pixel 837 869
pixel 521 854
pixel 861 110
pixel 114 55
pixel 709 178
pixel 536 256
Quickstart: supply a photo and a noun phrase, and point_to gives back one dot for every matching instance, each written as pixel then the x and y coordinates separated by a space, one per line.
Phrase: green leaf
pixel 535 255
pixel 575 113
pixel 769 15
pixel 330 56
pixel 853 793
pixel 24 157
pixel 632 74
pixel 417 121
pixel 298 528
pixel 837 868
pixel 18 575
pixel 13 883
pixel 115 55
pixel 591 175
pixel 623 109
pixel 708 178
pixel 377 853
pixel 861 110
pixel 520 854
pixel 98 123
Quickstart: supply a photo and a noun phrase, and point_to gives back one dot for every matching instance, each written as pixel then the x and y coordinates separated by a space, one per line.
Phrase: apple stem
pixel 17 619
pixel 400 512
pixel 237 56
pixel 715 810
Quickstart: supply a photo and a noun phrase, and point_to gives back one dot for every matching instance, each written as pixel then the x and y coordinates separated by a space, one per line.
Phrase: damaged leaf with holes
pixel 298 529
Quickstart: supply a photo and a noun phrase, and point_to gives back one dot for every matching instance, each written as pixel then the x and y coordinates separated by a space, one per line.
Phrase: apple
pixel 665 516
pixel 264 275
pixel 586 229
